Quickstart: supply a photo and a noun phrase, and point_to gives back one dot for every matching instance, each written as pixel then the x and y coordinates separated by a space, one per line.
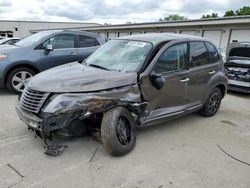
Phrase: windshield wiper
pixel 98 66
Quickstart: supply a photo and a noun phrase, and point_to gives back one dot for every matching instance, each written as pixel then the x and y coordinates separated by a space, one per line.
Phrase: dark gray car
pixel 41 51
pixel 129 82
pixel 237 66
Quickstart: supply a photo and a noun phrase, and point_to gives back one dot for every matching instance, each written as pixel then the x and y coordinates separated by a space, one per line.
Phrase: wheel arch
pixel 26 65
pixel 222 88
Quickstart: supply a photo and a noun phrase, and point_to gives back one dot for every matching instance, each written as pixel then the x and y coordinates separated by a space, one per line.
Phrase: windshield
pixel 32 39
pixel 120 55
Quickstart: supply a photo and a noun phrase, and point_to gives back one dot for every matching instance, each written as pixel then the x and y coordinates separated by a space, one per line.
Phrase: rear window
pixel 240 52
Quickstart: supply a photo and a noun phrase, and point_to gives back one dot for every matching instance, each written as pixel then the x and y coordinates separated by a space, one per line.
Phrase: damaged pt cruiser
pixel 130 82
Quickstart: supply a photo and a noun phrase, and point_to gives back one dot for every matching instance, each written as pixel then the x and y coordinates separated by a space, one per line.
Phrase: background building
pixel 221 31
pixel 23 28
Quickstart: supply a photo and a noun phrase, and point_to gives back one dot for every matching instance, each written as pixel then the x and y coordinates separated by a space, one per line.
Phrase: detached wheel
pixel 118 131
pixel 212 104
pixel 18 78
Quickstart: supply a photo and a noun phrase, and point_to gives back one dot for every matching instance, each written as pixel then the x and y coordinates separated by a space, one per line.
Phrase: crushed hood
pixel 75 77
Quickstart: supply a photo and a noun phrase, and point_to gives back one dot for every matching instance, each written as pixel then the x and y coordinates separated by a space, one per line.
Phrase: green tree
pixel 173 17
pixel 240 12
pixel 213 15
pixel 229 13
pixel 243 11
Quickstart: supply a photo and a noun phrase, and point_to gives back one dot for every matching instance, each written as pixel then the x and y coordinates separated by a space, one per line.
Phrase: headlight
pixel 3 56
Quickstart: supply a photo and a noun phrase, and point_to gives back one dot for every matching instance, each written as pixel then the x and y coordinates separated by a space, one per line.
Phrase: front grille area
pixel 32 100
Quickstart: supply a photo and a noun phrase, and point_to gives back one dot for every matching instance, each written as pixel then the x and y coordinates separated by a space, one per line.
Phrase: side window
pixel 198 54
pixel 173 59
pixel 212 53
pixel 85 41
pixel 10 42
pixel 61 41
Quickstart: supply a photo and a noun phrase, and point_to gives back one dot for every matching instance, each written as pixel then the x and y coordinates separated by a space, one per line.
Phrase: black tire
pixel 116 121
pixel 14 72
pixel 212 104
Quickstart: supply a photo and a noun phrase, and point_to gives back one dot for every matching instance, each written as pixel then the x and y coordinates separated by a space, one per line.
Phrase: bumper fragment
pixel 31 120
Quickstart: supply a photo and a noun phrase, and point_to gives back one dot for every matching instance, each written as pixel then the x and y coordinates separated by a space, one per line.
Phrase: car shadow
pixel 170 124
pixel 4 92
pixel 239 94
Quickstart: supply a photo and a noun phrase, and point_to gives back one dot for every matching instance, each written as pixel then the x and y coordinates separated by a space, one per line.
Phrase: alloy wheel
pixel 20 79
pixel 214 102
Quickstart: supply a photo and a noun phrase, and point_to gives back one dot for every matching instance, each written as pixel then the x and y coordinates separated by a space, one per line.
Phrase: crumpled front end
pixel 238 77
pixel 46 112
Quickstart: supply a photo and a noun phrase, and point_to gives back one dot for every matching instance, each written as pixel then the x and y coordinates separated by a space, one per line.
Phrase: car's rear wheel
pixel 118 131
pixel 212 104
pixel 18 78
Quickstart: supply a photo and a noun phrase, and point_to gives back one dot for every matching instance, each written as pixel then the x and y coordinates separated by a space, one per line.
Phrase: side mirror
pixel 157 80
pixel 49 47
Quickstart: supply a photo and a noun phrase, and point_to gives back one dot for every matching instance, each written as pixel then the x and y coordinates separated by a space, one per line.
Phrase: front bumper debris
pixel 32 121
pixel 59 113
pixel 239 86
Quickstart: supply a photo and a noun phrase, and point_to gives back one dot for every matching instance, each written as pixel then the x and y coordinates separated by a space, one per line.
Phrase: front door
pixel 64 51
pixel 171 63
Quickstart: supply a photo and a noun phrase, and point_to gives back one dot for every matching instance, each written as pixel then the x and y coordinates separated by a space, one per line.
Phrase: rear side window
pixel 198 54
pixel 11 42
pixel 212 53
pixel 172 59
pixel 86 41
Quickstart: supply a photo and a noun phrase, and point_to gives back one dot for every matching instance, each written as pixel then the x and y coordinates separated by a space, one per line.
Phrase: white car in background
pixel 9 41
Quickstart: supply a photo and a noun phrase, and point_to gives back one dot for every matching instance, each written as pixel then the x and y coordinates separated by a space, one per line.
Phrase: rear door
pixel 171 63
pixel 86 46
pixel 64 50
pixel 203 65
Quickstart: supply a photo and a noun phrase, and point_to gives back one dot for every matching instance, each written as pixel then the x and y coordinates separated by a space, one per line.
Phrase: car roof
pixel 156 38
pixel 7 38
pixel 70 31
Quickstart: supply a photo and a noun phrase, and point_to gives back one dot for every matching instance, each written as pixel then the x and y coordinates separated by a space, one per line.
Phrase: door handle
pixel 72 53
pixel 211 72
pixel 185 80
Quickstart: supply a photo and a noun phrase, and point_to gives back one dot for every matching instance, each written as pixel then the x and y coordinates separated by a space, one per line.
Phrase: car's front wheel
pixel 212 104
pixel 118 131
pixel 18 78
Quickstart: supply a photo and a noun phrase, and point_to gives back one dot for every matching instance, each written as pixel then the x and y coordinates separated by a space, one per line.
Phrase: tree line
pixel 240 12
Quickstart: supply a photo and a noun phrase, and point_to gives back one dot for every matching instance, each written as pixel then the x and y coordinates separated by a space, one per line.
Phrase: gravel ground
pixel 180 153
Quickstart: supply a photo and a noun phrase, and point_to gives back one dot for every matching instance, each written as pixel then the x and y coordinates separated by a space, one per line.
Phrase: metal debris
pixel 93 155
pixel 15 170
pixel 233 156
pixel 53 150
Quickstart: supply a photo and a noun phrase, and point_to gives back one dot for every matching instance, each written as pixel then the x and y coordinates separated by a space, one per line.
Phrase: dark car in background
pixel 237 66
pixel 129 82
pixel 41 51
pixel 9 41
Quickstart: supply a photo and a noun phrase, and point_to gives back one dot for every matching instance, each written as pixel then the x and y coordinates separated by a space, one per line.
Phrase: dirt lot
pixel 180 153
